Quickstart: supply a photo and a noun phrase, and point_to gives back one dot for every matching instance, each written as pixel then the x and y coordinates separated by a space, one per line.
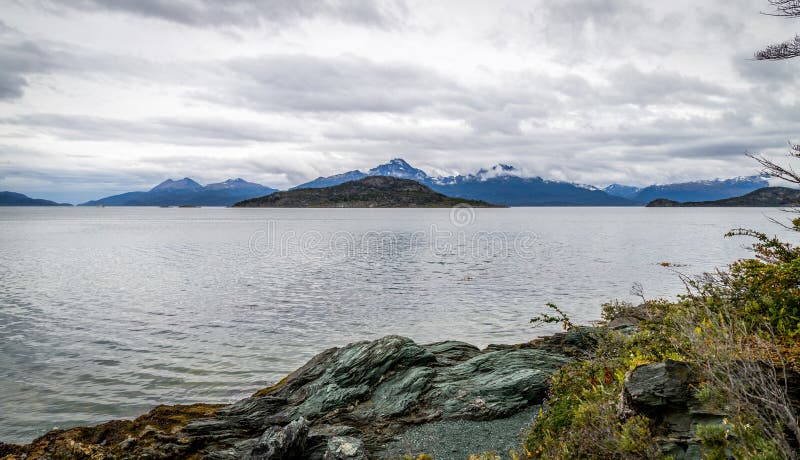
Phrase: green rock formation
pixel 344 403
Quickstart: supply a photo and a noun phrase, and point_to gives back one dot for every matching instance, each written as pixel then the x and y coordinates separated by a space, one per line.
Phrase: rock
pixel 495 384
pixel 452 352
pixel 651 388
pixel 361 395
pixel 458 439
pixel 663 392
pixel 399 393
pixel 579 341
pixel 345 448
pixel 623 322
pixel 351 372
pixel 287 443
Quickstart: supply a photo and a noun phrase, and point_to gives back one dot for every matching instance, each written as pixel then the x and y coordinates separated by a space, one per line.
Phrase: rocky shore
pixel 382 399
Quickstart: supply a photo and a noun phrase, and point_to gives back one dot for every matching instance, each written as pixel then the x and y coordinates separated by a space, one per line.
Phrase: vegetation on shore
pixel 738 329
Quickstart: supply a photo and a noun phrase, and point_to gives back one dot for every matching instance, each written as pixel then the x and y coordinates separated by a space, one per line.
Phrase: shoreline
pixel 393 398
pixel 369 392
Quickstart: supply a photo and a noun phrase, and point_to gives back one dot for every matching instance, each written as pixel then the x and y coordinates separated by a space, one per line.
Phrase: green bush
pixel 580 418
pixel 736 326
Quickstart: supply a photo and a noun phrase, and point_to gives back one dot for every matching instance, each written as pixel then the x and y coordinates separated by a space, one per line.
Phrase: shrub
pixel 580 419
pixel 739 328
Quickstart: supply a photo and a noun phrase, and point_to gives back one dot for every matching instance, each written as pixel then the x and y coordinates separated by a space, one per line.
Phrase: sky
pixel 106 96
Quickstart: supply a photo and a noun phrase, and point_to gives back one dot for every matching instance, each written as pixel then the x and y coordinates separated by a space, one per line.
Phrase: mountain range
pixel 762 198
pixel 186 192
pixel 501 184
pixel 707 190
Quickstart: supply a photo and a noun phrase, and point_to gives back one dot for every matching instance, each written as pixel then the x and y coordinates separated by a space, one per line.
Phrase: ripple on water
pixel 105 313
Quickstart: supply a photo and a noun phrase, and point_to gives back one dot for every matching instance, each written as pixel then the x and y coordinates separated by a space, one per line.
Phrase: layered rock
pixel 664 392
pixel 344 403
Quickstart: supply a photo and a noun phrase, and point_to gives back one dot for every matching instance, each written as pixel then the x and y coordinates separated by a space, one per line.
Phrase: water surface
pixel 106 312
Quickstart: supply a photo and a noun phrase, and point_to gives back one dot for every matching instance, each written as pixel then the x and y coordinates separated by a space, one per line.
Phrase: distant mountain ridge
pixel 763 197
pixel 187 192
pixel 502 184
pixel 707 190
pixel 378 191
pixel 622 191
pixel 18 199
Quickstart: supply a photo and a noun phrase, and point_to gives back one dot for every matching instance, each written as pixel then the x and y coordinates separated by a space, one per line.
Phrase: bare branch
pixel 773 169
pixel 785 8
pixel 786 50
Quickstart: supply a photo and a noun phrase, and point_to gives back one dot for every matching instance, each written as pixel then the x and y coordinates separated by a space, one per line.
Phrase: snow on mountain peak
pixel 497 170
pixel 398 167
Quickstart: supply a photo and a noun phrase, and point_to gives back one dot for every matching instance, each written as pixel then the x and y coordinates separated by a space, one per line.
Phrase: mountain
pixel 622 191
pixel 18 199
pixel 368 192
pixel 186 192
pixel 394 168
pixel 399 168
pixel 501 184
pixel 183 185
pixel 237 184
pixel 709 190
pixel 763 197
pixel 332 180
pixel 512 190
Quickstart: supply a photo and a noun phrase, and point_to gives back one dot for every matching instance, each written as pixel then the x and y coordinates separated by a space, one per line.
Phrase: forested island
pixel 369 192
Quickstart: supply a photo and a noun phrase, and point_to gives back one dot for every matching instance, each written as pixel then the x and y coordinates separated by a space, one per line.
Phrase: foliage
pixel 731 440
pixel 580 419
pixel 485 456
pixel 559 317
pixel 739 329
pixel 757 291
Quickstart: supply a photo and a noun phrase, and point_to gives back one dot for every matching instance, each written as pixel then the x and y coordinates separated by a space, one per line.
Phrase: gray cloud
pixel 633 86
pixel 244 13
pixel 337 84
pixel 183 131
pixel 780 73
pixel 584 90
pixel 18 59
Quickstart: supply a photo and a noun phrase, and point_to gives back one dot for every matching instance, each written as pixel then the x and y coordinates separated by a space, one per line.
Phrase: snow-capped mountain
pixel 398 167
pixel 703 190
pixel 501 184
pixel 395 168
pixel 506 185
pixel 624 191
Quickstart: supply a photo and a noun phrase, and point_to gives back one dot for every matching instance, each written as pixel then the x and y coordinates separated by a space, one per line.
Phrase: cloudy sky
pixel 100 97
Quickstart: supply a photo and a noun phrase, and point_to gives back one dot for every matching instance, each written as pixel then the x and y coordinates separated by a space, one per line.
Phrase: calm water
pixel 105 313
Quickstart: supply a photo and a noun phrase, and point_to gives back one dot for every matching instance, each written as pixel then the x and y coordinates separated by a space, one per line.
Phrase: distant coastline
pixel 765 197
